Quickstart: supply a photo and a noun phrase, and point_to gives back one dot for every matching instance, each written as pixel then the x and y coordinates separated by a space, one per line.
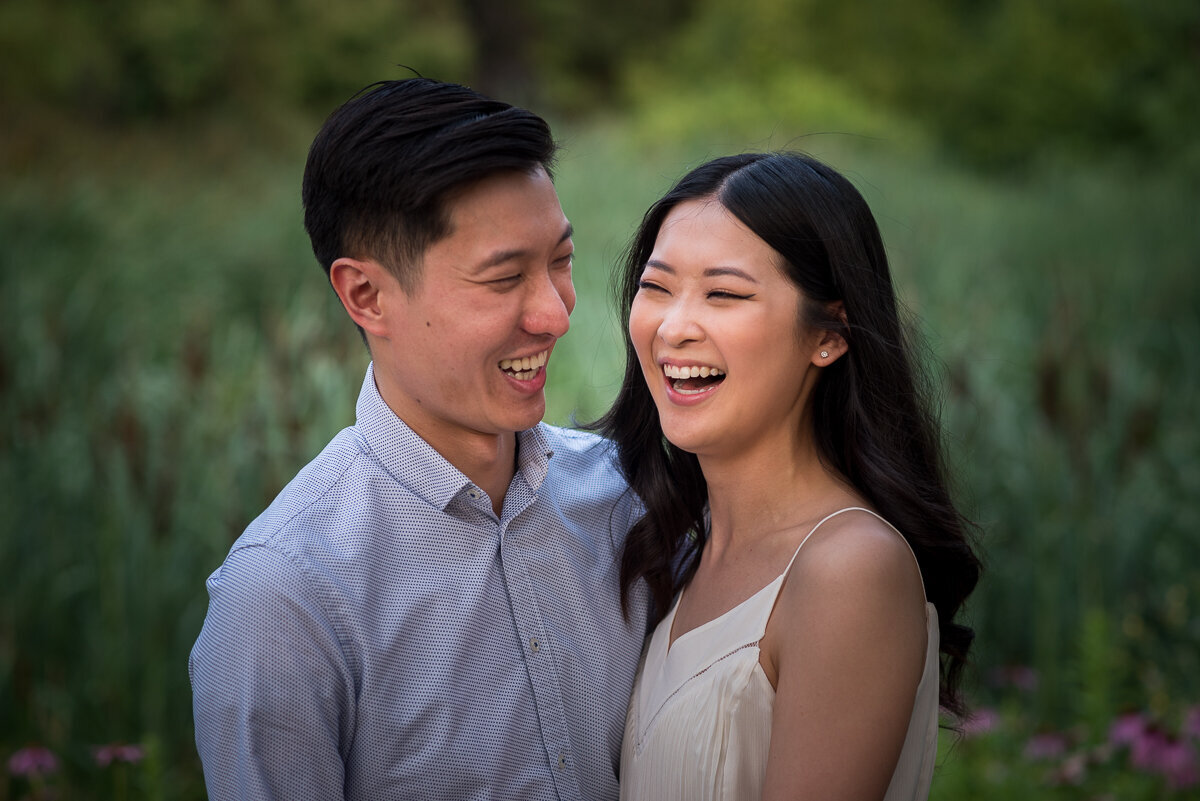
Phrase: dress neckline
pixel 713 622
pixel 672 639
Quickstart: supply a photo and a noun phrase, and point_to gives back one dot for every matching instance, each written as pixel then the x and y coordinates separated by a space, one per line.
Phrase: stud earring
pixel 824 354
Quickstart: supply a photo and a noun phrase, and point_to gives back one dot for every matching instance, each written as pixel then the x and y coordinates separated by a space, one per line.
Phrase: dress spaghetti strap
pixel 876 515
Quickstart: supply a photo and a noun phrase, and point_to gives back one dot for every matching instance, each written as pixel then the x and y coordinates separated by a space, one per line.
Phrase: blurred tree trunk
pixel 503 32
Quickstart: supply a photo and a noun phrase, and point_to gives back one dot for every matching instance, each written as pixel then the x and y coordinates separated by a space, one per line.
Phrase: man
pixel 430 609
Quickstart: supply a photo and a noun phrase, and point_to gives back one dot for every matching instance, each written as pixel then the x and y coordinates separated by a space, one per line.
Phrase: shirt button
pixel 473 494
pixel 534 645
pixel 562 761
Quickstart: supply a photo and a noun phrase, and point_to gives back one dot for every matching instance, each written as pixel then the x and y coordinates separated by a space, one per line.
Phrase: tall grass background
pixel 171 355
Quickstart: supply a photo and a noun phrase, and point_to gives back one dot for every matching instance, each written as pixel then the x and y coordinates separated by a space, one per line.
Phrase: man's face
pixel 466 351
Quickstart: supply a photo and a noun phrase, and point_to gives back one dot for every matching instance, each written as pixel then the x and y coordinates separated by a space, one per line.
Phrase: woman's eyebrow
pixel 710 272
pixel 717 272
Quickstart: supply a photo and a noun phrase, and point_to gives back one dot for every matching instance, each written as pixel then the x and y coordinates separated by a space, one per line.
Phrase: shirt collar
pixel 414 463
pixel 533 455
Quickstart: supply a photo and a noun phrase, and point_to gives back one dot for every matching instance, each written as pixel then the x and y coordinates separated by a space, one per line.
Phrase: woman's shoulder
pixel 853 591
pixel 854 558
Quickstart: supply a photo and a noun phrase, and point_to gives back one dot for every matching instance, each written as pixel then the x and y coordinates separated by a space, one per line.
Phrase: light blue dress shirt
pixel 378 633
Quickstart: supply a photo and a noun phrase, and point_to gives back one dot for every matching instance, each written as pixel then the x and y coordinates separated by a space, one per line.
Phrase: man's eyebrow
pixel 711 272
pixel 502 256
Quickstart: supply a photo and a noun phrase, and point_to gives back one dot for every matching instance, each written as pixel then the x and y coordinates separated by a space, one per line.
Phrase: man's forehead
pixel 465 196
pixel 505 215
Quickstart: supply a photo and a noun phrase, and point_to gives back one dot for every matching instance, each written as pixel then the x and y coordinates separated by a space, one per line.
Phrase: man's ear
pixel 359 284
pixel 832 344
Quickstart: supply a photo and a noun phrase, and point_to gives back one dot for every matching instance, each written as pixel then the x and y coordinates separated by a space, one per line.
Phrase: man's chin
pixel 530 414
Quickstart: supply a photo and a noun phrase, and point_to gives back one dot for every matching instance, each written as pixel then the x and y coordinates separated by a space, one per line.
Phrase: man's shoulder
pixel 327 489
pixel 575 440
pixel 584 476
pixel 577 450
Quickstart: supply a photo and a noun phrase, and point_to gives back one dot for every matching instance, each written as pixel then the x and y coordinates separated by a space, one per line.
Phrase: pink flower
pixel 1191 723
pixel 105 755
pixel 1046 746
pixel 1177 761
pixel 1146 751
pixel 33 761
pixel 1127 729
pixel 980 721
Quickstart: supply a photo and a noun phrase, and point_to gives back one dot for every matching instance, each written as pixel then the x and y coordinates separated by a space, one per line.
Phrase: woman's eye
pixel 723 295
pixel 643 284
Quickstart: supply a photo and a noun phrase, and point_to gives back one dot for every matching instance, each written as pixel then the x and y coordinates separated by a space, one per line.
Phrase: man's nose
pixel 548 307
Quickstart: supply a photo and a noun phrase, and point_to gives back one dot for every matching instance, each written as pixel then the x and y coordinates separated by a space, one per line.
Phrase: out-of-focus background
pixel 171 354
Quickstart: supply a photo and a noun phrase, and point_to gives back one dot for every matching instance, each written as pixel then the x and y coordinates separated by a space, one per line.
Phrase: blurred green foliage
pixel 998 82
pixel 123 60
pixel 1006 753
pixel 172 356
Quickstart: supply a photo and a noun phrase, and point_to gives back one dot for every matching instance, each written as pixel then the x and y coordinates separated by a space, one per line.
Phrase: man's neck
pixel 488 460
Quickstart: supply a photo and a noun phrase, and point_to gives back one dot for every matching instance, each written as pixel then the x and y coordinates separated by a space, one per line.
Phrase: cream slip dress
pixel 699 723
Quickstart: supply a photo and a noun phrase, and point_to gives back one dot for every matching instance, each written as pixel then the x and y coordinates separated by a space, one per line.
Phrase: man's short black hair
pixel 383 166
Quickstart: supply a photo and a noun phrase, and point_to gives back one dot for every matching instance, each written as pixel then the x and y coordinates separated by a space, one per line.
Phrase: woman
pixel 770 402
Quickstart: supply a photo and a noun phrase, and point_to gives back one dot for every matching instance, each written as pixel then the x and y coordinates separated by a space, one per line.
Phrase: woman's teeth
pixel 684 379
pixel 673 371
pixel 525 369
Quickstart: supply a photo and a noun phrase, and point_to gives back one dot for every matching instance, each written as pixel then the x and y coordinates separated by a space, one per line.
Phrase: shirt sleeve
pixel 272 693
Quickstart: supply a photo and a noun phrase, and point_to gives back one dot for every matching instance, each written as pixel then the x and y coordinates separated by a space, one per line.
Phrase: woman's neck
pixel 758 493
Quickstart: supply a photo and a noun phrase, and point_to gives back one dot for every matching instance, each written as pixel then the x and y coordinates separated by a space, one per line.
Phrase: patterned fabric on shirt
pixel 377 633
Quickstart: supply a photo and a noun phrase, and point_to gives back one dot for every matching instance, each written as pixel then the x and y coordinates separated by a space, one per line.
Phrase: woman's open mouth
pixel 693 379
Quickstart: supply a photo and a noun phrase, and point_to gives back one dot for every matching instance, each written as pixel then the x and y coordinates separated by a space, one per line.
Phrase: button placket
pixel 546 688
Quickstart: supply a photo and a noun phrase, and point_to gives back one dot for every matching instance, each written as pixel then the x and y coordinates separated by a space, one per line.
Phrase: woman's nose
pixel 680 325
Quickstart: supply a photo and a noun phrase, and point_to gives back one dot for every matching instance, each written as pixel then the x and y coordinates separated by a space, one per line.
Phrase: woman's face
pixel 715 323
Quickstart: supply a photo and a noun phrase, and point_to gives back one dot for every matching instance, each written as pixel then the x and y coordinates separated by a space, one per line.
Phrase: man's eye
pixel 506 280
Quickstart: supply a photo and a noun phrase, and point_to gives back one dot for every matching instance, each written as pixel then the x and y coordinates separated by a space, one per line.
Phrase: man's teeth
pixel 674 371
pixel 525 369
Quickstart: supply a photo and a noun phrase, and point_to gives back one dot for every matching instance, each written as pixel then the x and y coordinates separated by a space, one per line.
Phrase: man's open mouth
pixel 526 368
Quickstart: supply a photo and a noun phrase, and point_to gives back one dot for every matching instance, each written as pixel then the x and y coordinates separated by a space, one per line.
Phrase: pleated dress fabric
pixel 699 723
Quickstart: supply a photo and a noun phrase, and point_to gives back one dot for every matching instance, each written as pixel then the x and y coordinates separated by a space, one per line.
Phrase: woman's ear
pixel 359 285
pixel 832 345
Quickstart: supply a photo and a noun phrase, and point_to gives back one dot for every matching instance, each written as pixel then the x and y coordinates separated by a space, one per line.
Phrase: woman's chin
pixel 694 442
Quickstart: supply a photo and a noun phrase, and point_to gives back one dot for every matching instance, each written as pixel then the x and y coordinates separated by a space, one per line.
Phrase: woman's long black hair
pixel 873 417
